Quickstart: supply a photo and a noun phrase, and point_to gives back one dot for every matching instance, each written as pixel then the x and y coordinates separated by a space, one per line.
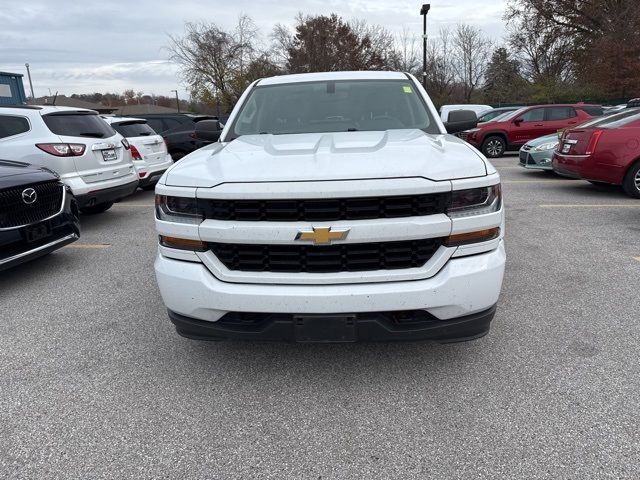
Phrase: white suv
pixel 77 144
pixel 334 208
pixel 147 148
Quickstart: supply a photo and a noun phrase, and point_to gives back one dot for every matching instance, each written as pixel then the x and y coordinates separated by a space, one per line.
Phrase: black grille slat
pixel 351 257
pixel 14 212
pixel 325 210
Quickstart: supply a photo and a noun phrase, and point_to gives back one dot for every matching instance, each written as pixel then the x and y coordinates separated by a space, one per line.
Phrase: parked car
pixel 178 131
pixel 495 113
pixel 38 213
pixel 147 148
pixel 538 153
pixel 85 151
pixel 515 129
pixel 479 109
pixel 303 224
pixel 604 152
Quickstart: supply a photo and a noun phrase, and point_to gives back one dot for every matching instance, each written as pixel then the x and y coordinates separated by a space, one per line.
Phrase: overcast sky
pixel 83 46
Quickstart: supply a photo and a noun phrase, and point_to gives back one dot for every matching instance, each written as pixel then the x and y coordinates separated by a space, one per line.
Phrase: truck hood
pixel 328 156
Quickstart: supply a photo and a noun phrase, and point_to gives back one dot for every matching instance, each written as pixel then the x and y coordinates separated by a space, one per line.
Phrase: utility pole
pixel 424 11
pixel 33 97
pixel 177 100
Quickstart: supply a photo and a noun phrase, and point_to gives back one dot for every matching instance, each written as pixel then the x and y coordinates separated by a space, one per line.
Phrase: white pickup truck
pixel 334 208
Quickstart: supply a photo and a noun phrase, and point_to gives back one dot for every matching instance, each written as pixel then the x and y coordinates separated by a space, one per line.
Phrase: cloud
pixel 79 47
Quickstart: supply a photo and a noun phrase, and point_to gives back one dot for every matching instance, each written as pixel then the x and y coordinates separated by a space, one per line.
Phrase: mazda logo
pixel 29 196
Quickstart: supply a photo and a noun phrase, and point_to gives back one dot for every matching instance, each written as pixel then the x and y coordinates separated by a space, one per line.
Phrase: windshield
pixel 133 129
pixel 510 115
pixel 332 106
pixel 613 121
pixel 78 125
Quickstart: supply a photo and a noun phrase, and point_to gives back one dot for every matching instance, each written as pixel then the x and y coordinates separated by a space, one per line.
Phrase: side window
pixel 156 124
pixel 560 113
pixel 11 125
pixel 534 115
pixel 171 123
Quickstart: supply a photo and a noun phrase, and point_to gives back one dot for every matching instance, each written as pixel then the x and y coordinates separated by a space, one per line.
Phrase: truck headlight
pixel 178 209
pixel 475 201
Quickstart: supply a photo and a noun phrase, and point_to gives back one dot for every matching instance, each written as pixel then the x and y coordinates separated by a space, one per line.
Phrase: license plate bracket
pixel 38 231
pixel 109 155
pixel 325 328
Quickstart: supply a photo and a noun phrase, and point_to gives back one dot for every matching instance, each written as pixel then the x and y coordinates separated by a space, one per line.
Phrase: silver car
pixel 88 155
pixel 147 148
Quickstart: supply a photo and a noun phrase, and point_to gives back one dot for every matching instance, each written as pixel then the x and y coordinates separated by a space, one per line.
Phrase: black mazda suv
pixel 38 213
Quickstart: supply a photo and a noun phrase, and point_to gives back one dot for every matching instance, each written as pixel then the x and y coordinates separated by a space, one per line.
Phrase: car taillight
pixel 593 142
pixel 135 153
pixel 63 149
pixel 193 135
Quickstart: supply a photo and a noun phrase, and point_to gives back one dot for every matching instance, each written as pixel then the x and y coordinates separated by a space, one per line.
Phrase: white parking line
pixel 595 205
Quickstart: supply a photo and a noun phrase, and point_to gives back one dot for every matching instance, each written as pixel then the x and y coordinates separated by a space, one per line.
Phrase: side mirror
pixel 517 122
pixel 208 130
pixel 461 120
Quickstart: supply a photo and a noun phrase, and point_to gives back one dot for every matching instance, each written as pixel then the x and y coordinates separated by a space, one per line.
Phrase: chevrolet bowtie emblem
pixel 323 235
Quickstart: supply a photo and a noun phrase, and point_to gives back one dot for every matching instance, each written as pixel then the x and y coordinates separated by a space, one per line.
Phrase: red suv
pixel 514 129
pixel 603 151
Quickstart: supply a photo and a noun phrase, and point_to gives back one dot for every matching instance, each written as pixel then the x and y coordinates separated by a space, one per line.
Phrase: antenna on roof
pixel 54 98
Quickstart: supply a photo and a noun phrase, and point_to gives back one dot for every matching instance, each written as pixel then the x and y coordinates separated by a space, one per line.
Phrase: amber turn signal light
pixel 183 243
pixel 472 237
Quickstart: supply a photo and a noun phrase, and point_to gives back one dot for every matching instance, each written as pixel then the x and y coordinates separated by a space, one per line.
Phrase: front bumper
pixel 64 228
pixel 463 287
pixel 536 160
pixel 368 327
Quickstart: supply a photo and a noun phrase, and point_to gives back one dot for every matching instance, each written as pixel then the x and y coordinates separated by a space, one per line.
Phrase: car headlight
pixel 475 201
pixel 546 146
pixel 178 209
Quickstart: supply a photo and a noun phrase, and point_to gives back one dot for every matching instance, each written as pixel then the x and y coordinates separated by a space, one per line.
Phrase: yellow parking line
pixel 636 258
pixel 98 246
pixel 595 205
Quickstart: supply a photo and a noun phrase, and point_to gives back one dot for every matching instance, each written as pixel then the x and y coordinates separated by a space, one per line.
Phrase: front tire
pixel 494 147
pixel 99 208
pixel 631 183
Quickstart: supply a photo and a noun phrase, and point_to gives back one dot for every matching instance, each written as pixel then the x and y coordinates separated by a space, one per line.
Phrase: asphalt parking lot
pixel 97 384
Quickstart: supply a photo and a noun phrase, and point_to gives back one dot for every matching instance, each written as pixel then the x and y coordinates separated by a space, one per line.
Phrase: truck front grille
pixel 14 212
pixel 350 257
pixel 325 210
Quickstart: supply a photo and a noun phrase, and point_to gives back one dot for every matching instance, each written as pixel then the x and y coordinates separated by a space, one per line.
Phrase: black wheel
pixel 99 208
pixel 177 156
pixel 494 147
pixel 631 183
pixel 148 188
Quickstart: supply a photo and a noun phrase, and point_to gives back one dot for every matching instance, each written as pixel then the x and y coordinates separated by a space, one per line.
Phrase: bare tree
pixel 441 73
pixel 472 56
pixel 407 52
pixel 213 61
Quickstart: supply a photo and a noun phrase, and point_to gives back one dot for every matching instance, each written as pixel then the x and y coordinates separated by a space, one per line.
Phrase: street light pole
pixel 33 97
pixel 177 100
pixel 423 11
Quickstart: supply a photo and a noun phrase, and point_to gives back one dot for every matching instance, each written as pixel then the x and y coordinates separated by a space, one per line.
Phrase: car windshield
pixel 78 125
pixel 133 129
pixel 510 115
pixel 332 106
pixel 613 121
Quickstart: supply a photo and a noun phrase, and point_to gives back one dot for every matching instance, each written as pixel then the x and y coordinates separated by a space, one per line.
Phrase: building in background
pixel 12 89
